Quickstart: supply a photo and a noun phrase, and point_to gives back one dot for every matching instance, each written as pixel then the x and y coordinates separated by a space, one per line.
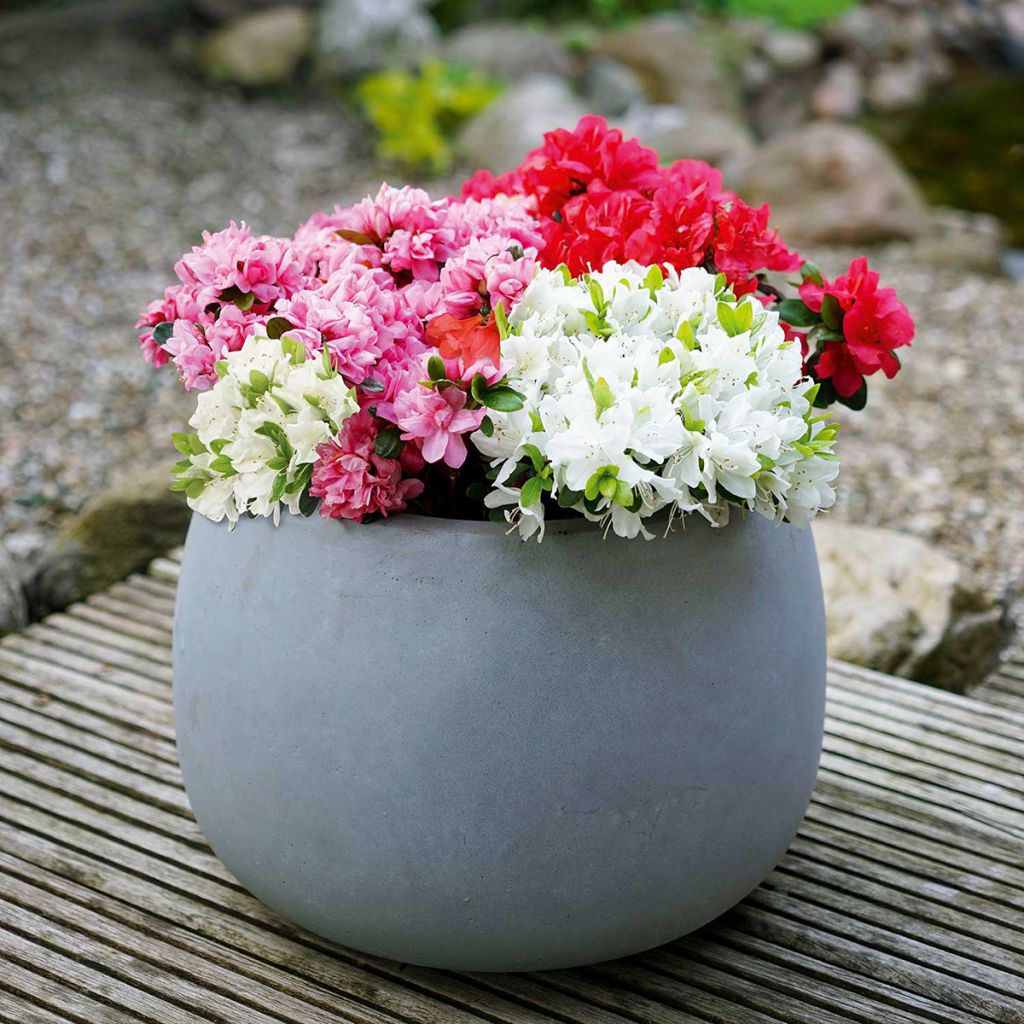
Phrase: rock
pixel 1011 17
pixel 833 183
pixel 675 61
pixel 677 133
pixel 898 86
pixel 356 36
pixel 508 50
pixel 121 530
pixel 963 241
pixel 499 137
pixel 13 606
pixel 871 32
pixel 791 50
pixel 906 609
pixel 611 88
pixel 755 74
pixel 232 10
pixel 840 94
pixel 260 49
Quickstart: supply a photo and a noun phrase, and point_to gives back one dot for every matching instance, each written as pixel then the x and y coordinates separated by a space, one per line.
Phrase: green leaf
pixel 504 330
pixel 221 368
pixel 796 313
pixel 162 332
pixel 217 445
pixel 222 464
pixel 372 386
pixel 478 490
pixel 307 503
pixel 277 435
pixel 597 295
pixel 502 398
pixel 811 272
pixel 534 455
pixel 436 369
pixel 530 493
pixel 181 466
pixel 194 488
pixel 858 399
pixel 284 405
pixel 276 326
pixel 355 237
pixel 686 335
pixel 280 483
pixel 487 426
pixel 196 447
pixel 727 318
pixel 181 484
pixel 388 444
pixel 182 442
pixel 294 350
pixel 623 494
pixel 654 279
pixel 567 497
pixel 277 462
pixel 259 381
pixel 603 397
pixel 832 313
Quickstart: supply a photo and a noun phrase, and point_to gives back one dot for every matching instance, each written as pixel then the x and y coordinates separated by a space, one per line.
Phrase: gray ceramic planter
pixel 432 742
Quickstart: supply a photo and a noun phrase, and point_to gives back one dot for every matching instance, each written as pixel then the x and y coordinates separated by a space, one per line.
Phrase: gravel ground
pixel 111 162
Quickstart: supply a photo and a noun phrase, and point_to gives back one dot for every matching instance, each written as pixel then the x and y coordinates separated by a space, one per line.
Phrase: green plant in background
pixel 416 113
pixel 787 13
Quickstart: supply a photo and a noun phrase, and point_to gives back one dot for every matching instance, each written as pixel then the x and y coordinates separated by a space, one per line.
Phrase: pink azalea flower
pixel 437 419
pixel 352 481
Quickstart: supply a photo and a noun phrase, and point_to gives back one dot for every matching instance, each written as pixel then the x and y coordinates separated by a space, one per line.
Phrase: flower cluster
pixel 257 430
pixel 645 392
pixel 592 334
pixel 601 198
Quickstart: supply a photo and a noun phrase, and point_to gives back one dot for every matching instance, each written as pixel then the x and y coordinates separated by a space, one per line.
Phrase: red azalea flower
pixel 472 339
pixel 874 323
pixel 591 157
pixel 685 222
pixel 484 185
pixel 594 229
pixel 744 244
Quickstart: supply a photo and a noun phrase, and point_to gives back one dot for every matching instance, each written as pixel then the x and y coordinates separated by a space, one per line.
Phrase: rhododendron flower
pixel 874 322
pixel 472 339
pixel 437 418
pixel 266 268
pixel 744 243
pixel 352 481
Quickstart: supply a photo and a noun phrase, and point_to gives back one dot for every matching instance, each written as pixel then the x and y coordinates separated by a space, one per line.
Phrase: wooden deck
pixel 901 900
pixel 1005 687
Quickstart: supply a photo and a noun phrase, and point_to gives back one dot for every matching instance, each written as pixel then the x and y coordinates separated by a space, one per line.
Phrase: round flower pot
pixel 427 740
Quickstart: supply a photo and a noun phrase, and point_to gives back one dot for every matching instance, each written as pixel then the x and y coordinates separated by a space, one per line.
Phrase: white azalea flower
pixel 257 430
pixel 649 390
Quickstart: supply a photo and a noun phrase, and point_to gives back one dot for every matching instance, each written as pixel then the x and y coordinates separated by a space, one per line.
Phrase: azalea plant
pixel 590 335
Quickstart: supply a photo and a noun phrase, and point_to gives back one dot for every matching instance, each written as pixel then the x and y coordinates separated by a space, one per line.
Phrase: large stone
pixel 499 137
pixel 840 93
pixel 898 86
pixel 791 50
pixel 123 528
pixel 611 87
pixel 13 606
pixel 231 10
pixel 356 36
pixel 901 605
pixel 833 183
pixel 675 60
pixel 962 240
pixel 506 49
pixel 677 133
pixel 260 49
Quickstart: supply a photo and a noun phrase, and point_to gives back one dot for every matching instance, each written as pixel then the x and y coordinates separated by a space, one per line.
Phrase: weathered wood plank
pixel 901 901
